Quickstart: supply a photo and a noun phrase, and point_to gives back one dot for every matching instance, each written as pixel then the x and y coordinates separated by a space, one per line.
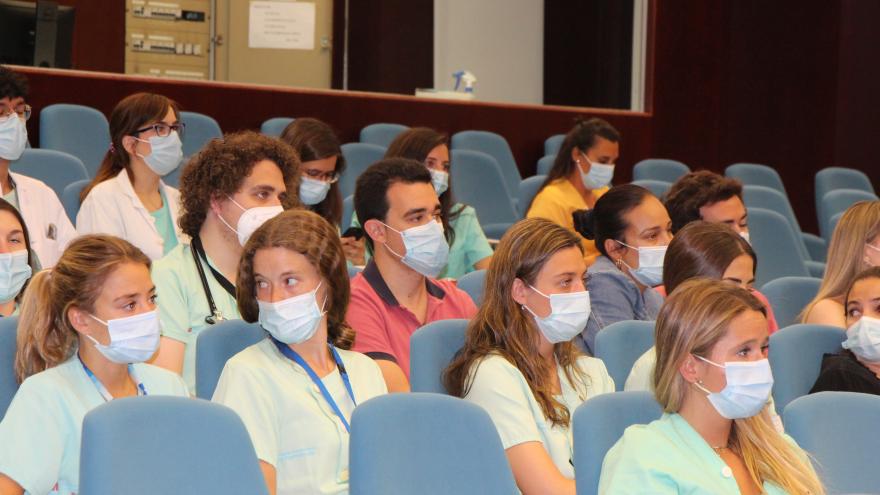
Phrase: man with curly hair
pixel 705 195
pixel 227 190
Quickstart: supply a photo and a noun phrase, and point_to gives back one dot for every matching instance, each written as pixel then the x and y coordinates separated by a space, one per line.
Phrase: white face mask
pixel 745 235
pixel 568 316
pixel 748 388
pixel 863 339
pixel 132 340
pixel 312 191
pixel 599 176
pixel 440 180
pixel 650 270
pixel 13 137
pixel 14 272
pixel 165 155
pixel 426 248
pixel 251 219
pixel 293 320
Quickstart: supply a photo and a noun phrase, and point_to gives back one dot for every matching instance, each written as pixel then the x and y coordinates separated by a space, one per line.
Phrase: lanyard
pixel 292 355
pixel 199 252
pixel 105 394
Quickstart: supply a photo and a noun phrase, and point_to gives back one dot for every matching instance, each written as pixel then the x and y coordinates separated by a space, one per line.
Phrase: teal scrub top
pixel 165 225
pixel 469 247
pixel 12 198
pixel 668 456
pixel 183 306
pixel 41 431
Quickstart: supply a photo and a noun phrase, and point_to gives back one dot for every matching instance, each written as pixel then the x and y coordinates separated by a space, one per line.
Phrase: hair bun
pixel 584 223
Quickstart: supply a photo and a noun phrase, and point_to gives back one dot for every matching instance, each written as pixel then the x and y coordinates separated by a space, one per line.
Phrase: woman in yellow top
pixel 581 174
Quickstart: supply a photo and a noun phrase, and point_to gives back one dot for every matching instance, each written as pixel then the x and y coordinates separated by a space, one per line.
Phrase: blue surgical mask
pixel 13 137
pixel 748 388
pixel 165 155
pixel 426 248
pixel 863 339
pixel 650 270
pixel 132 340
pixel 14 272
pixel 599 176
pixel 313 191
pixel 440 180
pixel 568 316
pixel 293 320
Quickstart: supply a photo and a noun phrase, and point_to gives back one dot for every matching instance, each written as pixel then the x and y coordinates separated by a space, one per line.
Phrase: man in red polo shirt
pixel 396 293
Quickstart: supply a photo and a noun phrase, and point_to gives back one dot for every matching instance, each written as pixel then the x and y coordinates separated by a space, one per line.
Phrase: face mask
pixel 440 180
pixel 312 191
pixel 132 340
pixel 165 155
pixel 599 176
pixel 863 339
pixel 13 137
pixel 293 320
pixel 745 235
pixel 14 272
pixel 251 219
pixel 568 315
pixel 747 391
pixel 650 270
pixel 426 248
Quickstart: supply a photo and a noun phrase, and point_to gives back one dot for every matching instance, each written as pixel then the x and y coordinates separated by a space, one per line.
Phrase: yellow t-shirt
pixel 556 202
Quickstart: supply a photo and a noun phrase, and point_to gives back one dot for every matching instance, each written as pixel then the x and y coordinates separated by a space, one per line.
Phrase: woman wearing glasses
pixel 127 198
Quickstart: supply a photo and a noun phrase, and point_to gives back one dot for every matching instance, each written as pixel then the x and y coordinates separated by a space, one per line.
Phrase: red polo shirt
pixel 383 327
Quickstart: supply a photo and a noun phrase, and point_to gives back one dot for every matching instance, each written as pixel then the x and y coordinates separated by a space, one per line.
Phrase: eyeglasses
pixel 21 110
pixel 330 177
pixel 164 130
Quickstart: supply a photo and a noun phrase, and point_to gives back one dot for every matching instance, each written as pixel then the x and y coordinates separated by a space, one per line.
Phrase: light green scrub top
pixel 668 456
pixel 469 247
pixel 291 425
pixel 165 225
pixel 12 198
pixel 183 306
pixel 501 389
pixel 42 427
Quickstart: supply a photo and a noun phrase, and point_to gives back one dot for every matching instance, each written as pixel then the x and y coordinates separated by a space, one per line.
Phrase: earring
pixel 619 263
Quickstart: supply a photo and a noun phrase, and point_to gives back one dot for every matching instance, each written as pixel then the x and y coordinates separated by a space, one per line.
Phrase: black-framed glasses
pixel 164 130
pixel 329 177
pixel 22 110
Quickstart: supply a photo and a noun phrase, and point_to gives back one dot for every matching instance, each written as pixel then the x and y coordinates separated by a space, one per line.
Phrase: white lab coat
pixel 48 227
pixel 112 207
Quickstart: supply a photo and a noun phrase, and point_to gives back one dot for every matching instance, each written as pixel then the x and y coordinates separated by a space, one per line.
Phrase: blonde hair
pixel 46 337
pixel 860 224
pixel 691 322
pixel 502 326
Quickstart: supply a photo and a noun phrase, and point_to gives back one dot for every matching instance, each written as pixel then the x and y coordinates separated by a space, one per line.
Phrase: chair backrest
pixel 168 445
pixel 620 344
pixel 789 296
pixel 76 129
pixel 659 169
pixel 493 145
pixel 838 201
pixel 773 200
pixel 831 178
pixel 553 143
pixel 8 383
pixel 658 188
pixel 381 134
pixel 598 424
pixel 358 157
pixel 200 129
pixel 479 182
pixel 839 430
pixel 275 126
pixel 545 163
pixel 755 174
pixel 776 245
pixel 796 358
pixel 56 168
pixel 215 345
pixel 431 349
pixel 528 188
pixel 426 443
pixel 70 198
pixel 347 212
pixel 474 284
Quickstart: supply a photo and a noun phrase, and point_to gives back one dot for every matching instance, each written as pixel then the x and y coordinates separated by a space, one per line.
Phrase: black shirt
pixel 842 372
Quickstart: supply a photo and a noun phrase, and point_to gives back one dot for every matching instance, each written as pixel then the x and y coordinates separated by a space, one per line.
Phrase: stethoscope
pixel 197 252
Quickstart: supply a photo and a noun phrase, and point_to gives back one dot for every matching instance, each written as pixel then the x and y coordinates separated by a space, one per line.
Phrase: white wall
pixel 500 41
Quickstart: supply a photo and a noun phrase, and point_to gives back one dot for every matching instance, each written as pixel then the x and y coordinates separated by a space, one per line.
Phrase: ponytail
pixel 44 336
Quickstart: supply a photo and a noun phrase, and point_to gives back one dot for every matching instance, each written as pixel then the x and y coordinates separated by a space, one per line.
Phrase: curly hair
pixel 222 165
pixel 309 234
pixel 12 84
pixel 696 190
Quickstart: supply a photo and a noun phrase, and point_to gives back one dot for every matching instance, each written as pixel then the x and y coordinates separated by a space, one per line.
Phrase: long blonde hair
pixel 858 225
pixel 691 322
pixel 502 326
pixel 45 336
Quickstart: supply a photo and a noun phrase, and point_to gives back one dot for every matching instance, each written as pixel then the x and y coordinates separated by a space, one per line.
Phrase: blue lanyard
pixel 105 394
pixel 292 355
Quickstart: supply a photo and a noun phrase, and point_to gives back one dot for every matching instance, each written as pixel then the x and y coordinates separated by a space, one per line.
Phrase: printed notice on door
pixel 284 25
